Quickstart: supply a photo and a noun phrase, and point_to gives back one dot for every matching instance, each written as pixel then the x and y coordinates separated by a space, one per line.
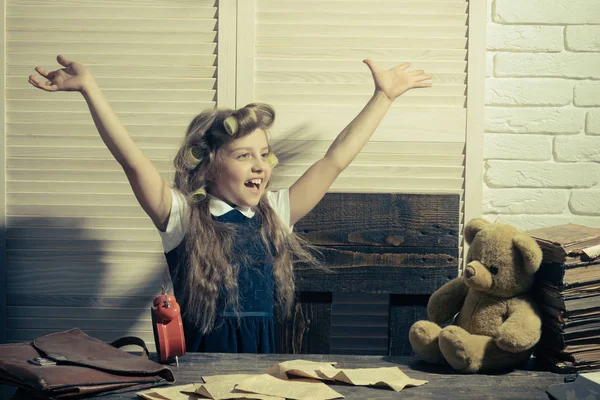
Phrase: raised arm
pixel 149 188
pixel 310 188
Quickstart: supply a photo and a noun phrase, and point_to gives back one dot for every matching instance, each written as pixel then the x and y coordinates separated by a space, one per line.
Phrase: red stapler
pixel 168 327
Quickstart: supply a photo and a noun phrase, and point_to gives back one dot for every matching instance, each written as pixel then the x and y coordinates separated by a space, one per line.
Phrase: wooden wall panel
pixel 402 245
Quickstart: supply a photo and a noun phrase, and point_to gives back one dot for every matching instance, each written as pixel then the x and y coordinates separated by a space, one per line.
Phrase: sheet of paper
pixel 171 392
pixel 592 376
pixel 269 385
pixel 392 377
pixel 221 387
pixel 301 368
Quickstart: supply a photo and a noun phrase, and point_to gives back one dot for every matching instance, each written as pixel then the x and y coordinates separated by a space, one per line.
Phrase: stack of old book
pixel 568 292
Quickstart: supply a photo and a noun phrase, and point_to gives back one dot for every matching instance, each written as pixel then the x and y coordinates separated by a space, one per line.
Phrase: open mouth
pixel 253 183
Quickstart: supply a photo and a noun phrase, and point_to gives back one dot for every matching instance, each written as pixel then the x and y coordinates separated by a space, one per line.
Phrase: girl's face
pixel 243 171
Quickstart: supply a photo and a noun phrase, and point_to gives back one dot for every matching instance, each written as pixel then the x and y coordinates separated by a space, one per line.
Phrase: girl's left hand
pixel 395 81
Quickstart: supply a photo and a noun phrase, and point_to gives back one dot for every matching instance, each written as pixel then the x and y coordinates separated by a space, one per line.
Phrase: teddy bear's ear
pixel 530 251
pixel 474 226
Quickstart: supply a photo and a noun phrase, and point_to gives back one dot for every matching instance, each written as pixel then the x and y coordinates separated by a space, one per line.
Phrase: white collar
pixel 218 207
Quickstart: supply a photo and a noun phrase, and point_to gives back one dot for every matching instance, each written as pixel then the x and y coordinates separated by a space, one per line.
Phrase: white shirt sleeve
pixel 177 225
pixel 280 202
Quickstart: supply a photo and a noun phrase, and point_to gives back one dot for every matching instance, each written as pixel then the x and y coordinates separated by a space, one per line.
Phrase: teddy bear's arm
pixel 445 302
pixel 522 329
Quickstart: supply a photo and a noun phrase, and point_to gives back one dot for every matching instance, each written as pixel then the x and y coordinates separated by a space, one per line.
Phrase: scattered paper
pixel 267 384
pixel 306 383
pixel 302 368
pixel 178 392
pixel 392 377
pixel 221 387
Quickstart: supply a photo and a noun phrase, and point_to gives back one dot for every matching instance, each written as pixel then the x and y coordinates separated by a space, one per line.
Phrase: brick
pixel 559 65
pixel 526 222
pixel 508 146
pixel 540 174
pixel 524 38
pixel 583 38
pixel 585 202
pixel 525 201
pixel 587 93
pixel 592 123
pixel 580 148
pixel 534 120
pixel 530 92
pixel 545 12
pixel 489 65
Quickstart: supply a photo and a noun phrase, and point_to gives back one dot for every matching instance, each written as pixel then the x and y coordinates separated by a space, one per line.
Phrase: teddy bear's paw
pixel 516 341
pixel 423 337
pixel 460 349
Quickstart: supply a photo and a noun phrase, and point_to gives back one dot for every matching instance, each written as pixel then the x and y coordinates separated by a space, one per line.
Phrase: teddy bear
pixel 496 322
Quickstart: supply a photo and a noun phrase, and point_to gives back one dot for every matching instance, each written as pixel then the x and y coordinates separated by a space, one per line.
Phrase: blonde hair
pixel 208 264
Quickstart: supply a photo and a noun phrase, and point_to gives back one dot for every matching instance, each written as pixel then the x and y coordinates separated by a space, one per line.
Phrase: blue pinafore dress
pixel 253 332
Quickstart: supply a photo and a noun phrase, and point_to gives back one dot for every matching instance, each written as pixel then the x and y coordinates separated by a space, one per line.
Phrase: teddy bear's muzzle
pixel 477 276
pixel 469 272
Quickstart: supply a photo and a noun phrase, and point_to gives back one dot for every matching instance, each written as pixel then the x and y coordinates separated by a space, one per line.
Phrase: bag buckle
pixel 41 361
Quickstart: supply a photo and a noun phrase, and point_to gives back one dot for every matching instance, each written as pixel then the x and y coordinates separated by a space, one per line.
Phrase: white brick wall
pixel 542 140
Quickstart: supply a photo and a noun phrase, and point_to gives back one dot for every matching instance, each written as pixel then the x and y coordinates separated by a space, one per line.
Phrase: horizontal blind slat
pixel 126 71
pixel 390 6
pixel 164 49
pixel 122 11
pixel 350 89
pixel 118 3
pixel 109 85
pixel 63 35
pixel 350 100
pixel 332 64
pixel 445 78
pixel 356 53
pixel 403 41
pixel 186 104
pixel 113 24
pixel 406 17
pixel 94 61
pixel 107 335
pixel 370 31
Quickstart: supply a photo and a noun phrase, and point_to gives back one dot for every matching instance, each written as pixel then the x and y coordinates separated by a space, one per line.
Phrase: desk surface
pixel 529 383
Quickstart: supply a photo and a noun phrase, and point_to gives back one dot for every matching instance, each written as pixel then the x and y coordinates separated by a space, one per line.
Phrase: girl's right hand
pixel 73 77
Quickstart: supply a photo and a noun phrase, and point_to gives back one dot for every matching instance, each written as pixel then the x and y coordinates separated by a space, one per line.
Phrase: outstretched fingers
pixel 47 86
pixel 62 60
pixel 42 72
pixel 404 66
pixel 422 79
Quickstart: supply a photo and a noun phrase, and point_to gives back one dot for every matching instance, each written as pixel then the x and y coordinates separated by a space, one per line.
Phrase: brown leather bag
pixel 71 364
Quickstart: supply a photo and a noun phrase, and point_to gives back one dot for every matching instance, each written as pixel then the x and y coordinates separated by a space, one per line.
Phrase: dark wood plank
pixel 383 219
pixel 404 312
pixel 349 256
pixel 381 243
pixel 308 331
pixel 375 279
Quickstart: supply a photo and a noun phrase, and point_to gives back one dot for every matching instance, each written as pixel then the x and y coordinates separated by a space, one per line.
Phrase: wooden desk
pixel 530 383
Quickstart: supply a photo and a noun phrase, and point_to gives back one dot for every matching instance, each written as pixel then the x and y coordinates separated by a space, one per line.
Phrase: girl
pixel 227 239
